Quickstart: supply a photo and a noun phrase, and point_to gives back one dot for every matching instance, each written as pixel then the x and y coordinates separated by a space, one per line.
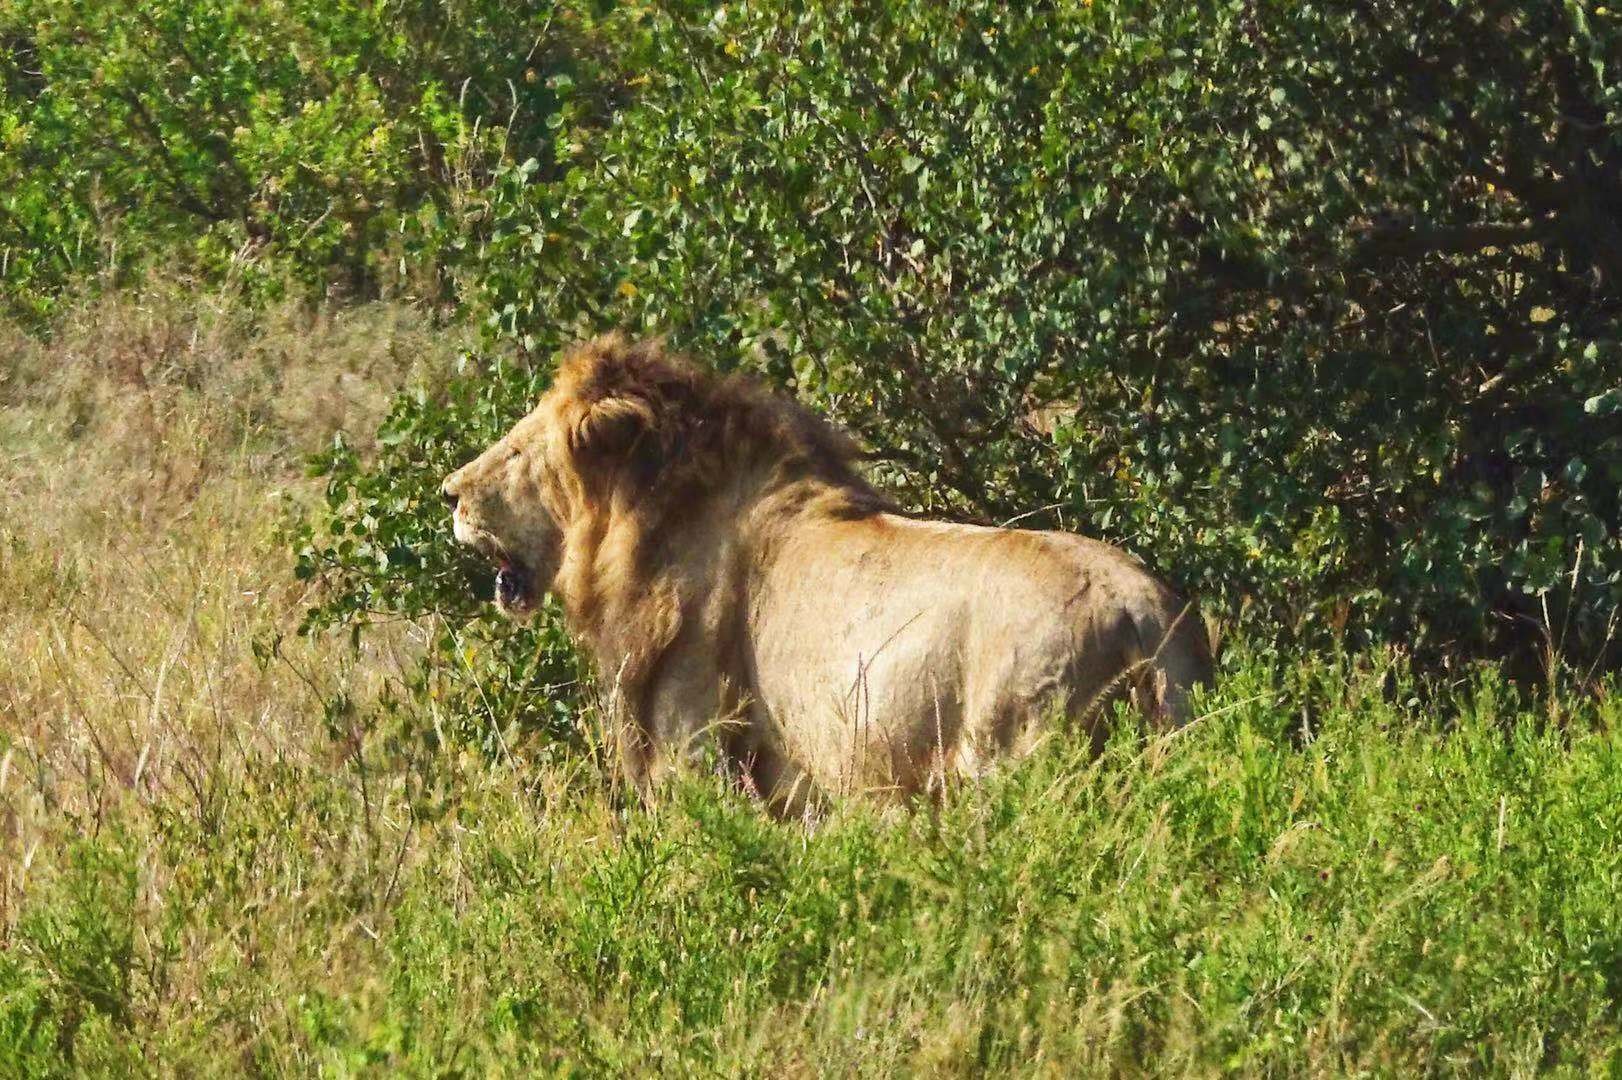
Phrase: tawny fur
pixel 737 580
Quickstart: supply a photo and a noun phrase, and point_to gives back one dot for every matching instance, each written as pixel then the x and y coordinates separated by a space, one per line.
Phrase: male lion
pixel 730 571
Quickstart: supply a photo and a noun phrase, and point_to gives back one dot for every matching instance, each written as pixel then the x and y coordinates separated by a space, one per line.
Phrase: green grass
pixel 1385 896
pixel 206 867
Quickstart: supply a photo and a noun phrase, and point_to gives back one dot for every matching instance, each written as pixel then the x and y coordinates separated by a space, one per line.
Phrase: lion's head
pixel 630 433
pixel 507 504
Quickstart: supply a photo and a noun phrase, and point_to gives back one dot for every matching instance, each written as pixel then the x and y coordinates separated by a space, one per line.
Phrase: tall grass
pixel 148 452
pixel 212 862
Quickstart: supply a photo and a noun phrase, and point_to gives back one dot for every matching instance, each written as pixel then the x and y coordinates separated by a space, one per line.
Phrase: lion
pixel 740 585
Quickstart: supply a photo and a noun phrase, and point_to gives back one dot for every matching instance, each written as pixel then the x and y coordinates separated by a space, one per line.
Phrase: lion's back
pixel 887 647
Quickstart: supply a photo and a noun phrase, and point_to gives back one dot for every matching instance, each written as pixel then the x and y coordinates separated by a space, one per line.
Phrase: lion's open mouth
pixel 515 586
pixel 516 581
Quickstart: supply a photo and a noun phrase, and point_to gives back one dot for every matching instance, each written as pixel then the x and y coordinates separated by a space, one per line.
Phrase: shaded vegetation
pixel 1218 284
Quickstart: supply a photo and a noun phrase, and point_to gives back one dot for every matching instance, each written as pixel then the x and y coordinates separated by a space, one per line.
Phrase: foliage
pixel 325 141
pixel 66 1001
pixel 383 533
pixel 1312 307
pixel 1316 308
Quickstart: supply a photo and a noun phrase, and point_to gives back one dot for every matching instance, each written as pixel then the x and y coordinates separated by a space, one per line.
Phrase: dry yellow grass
pixel 148 452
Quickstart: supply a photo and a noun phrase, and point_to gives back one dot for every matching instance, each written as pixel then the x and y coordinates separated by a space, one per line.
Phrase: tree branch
pixel 187 198
pixel 1400 239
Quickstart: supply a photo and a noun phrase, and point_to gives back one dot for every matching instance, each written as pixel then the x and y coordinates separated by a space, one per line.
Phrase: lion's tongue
pixel 511 587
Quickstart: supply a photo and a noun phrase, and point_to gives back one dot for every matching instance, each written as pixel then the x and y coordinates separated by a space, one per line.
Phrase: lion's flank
pixel 657 420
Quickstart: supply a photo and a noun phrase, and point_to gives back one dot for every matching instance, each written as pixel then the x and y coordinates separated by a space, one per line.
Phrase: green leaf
pixel 1604 404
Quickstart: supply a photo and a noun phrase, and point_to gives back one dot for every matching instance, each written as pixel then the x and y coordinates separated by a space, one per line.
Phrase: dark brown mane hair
pixel 655 420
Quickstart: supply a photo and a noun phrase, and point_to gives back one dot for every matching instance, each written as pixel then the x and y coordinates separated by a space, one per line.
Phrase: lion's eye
pixel 516 453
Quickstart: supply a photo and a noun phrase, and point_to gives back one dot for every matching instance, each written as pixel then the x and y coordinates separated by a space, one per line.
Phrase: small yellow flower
pixel 626 289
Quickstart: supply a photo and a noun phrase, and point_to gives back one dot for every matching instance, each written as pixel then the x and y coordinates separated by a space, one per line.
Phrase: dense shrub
pixel 1315 308
pixel 326 141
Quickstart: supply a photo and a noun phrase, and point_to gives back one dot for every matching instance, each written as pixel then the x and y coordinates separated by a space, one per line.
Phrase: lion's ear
pixel 612 425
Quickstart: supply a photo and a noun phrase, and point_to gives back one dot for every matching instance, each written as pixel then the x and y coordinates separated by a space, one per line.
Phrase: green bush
pixel 67 994
pixel 1312 307
pixel 320 141
pixel 1315 308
